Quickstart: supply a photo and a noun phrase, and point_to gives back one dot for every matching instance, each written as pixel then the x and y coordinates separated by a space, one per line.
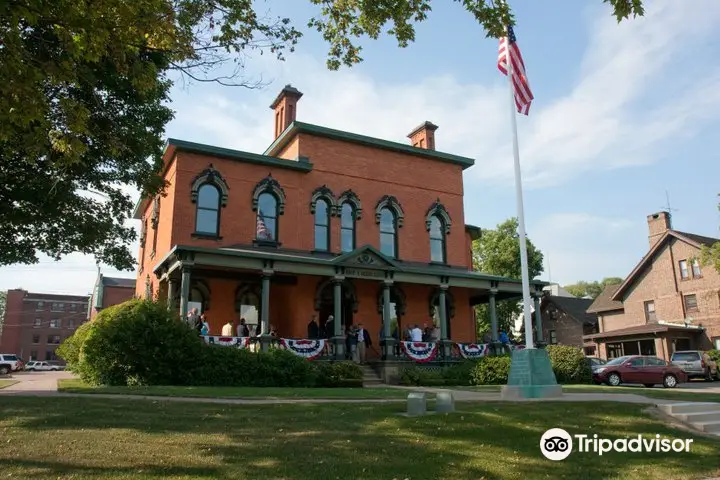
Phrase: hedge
pixel 140 342
pixel 569 364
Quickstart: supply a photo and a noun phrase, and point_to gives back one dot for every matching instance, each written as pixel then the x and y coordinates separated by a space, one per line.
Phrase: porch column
pixel 493 316
pixel 387 332
pixel 185 291
pixel 538 320
pixel 442 305
pixel 265 339
pixel 171 293
pixel 338 338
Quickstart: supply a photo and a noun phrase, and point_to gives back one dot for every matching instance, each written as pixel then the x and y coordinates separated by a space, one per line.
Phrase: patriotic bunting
pixel 420 351
pixel 309 349
pixel 237 342
pixel 472 351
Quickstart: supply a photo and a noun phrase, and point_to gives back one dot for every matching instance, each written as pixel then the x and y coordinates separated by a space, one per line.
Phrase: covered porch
pixel 656 339
pixel 278 293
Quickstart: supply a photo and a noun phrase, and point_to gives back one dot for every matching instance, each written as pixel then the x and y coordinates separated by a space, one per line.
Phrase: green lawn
pixel 50 438
pixel 7 383
pixel 77 386
pixel 660 393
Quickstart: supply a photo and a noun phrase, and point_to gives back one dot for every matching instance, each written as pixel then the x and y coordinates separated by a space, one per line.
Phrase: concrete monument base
pixel 531 376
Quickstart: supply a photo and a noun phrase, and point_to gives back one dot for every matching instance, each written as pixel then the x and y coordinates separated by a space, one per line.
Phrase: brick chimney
pixel 658 224
pixel 424 136
pixel 285 106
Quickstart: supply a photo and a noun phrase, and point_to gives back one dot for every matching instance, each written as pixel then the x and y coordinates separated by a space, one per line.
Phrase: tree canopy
pixel 711 255
pixel 591 289
pixel 497 252
pixel 84 88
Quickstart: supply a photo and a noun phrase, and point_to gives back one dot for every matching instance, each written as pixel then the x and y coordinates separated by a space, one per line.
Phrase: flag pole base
pixel 531 376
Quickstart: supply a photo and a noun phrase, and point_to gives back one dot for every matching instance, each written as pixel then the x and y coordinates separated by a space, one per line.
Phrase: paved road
pixel 34 382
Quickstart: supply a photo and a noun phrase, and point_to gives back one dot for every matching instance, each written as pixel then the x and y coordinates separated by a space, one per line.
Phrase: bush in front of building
pixel 338 374
pixel 417 375
pixel 569 364
pixel 714 355
pixel 69 350
pixel 491 370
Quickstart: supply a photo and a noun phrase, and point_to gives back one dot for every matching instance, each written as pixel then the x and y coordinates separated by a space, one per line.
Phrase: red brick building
pixel 323 222
pixel 667 303
pixel 565 322
pixel 110 291
pixel 36 323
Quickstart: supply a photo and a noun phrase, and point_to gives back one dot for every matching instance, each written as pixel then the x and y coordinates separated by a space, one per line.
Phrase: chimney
pixel 658 224
pixel 424 136
pixel 285 106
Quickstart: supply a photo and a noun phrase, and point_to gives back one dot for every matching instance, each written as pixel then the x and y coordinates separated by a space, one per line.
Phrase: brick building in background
pixel 36 323
pixel 669 302
pixel 323 222
pixel 110 291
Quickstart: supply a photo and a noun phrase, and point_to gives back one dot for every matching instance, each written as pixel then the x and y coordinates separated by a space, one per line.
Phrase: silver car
pixel 696 364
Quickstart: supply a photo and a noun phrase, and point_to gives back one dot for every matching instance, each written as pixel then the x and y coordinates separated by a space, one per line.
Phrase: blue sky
pixel 622 114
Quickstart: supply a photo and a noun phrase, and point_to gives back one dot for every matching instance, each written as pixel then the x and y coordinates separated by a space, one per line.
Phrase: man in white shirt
pixel 416 333
pixel 228 330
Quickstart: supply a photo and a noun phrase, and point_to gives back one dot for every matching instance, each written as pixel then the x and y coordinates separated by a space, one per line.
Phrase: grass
pixel 660 393
pixel 7 383
pixel 77 386
pixel 98 438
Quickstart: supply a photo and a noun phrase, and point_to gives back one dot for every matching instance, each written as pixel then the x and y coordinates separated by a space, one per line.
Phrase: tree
pixel 3 303
pixel 497 252
pixel 592 289
pixel 83 91
pixel 711 255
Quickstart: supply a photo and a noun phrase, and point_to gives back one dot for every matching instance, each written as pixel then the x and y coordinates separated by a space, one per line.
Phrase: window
pixel 684 273
pixel 437 240
pixel 553 337
pixel 55 323
pixel 143 238
pixel 388 233
pixel 614 350
pixel 322 225
pixel 347 228
pixel 697 273
pixel 50 355
pixel 70 323
pixel 650 316
pixel 655 362
pixel 207 217
pixel 54 339
pixel 155 221
pixel 716 342
pixel 691 302
pixel 267 224
pixel 38 323
pixel 33 355
pixel 637 362
pixel 73 307
pixel 40 306
pixel 57 307
pixel 36 339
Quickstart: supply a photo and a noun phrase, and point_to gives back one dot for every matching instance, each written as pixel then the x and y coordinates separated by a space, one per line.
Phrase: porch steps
pixel 702 416
pixel 370 376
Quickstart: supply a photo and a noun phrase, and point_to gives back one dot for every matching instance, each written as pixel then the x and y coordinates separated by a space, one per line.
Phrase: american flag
pixel 262 231
pixel 520 84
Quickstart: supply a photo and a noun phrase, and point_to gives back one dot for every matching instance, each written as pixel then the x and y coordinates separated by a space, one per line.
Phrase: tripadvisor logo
pixel 557 444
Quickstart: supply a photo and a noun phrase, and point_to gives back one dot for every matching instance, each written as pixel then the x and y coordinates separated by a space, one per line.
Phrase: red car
pixel 648 371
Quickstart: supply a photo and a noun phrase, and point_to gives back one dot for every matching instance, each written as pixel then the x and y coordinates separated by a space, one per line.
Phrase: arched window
pixel 207 217
pixel 437 240
pixel 322 225
pixel 388 233
pixel 267 218
pixel 347 227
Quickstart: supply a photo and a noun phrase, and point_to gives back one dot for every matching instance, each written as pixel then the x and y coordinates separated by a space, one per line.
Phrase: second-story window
pixel 691 304
pixel 57 307
pixel 347 228
pixel 650 316
pixel 322 225
pixel 40 306
pixel 267 221
pixel 155 221
pixel 697 273
pixel 437 241
pixel 388 233
pixel 207 219
pixel 684 272
pixel 55 323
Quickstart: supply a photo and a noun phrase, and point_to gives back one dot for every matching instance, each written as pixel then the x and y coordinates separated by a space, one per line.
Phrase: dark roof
pixel 702 240
pixel 604 302
pixel 118 282
pixel 575 307
pixel 643 329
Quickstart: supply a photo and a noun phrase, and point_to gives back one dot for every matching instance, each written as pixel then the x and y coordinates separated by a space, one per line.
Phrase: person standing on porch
pixel 351 342
pixel 243 330
pixel 228 330
pixel 416 335
pixel 313 332
pixel 205 328
pixel 363 343
pixel 434 333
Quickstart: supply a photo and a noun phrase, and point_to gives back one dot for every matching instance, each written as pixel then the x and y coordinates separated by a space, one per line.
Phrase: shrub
pixel 569 364
pixel 338 374
pixel 421 376
pixel 459 373
pixel 714 355
pixel 139 342
pixel 69 350
pixel 491 370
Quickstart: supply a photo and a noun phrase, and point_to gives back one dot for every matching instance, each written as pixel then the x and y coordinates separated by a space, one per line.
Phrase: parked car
pixel 10 363
pixel 696 364
pixel 649 371
pixel 42 367
pixel 595 362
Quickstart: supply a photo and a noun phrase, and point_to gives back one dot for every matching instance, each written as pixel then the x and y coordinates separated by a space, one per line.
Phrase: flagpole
pixel 520 208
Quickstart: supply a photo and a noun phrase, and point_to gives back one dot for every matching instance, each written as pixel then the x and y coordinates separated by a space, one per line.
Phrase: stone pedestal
pixel 338 348
pixel 444 402
pixel 531 376
pixel 416 404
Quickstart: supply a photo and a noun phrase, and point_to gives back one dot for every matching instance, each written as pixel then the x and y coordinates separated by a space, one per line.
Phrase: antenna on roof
pixel 668 208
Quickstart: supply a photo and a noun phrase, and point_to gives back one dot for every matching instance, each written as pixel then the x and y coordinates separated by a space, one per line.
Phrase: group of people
pixel 232 328
pixel 357 338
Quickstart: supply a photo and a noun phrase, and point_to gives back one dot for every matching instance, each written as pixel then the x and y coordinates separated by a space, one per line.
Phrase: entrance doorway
pixel 325 303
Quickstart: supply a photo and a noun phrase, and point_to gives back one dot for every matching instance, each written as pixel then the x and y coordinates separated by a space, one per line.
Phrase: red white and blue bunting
pixel 237 342
pixel 471 351
pixel 420 351
pixel 309 349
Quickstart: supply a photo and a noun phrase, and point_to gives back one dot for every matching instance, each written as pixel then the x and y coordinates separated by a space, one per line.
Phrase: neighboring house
pixel 36 323
pixel 565 322
pixel 518 322
pixel 323 222
pixel 667 303
pixel 110 291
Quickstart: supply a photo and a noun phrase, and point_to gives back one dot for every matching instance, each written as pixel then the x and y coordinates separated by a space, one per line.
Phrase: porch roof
pixel 652 328
pixel 362 259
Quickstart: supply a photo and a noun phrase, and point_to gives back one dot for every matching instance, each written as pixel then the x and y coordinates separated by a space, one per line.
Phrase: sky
pixel 625 116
